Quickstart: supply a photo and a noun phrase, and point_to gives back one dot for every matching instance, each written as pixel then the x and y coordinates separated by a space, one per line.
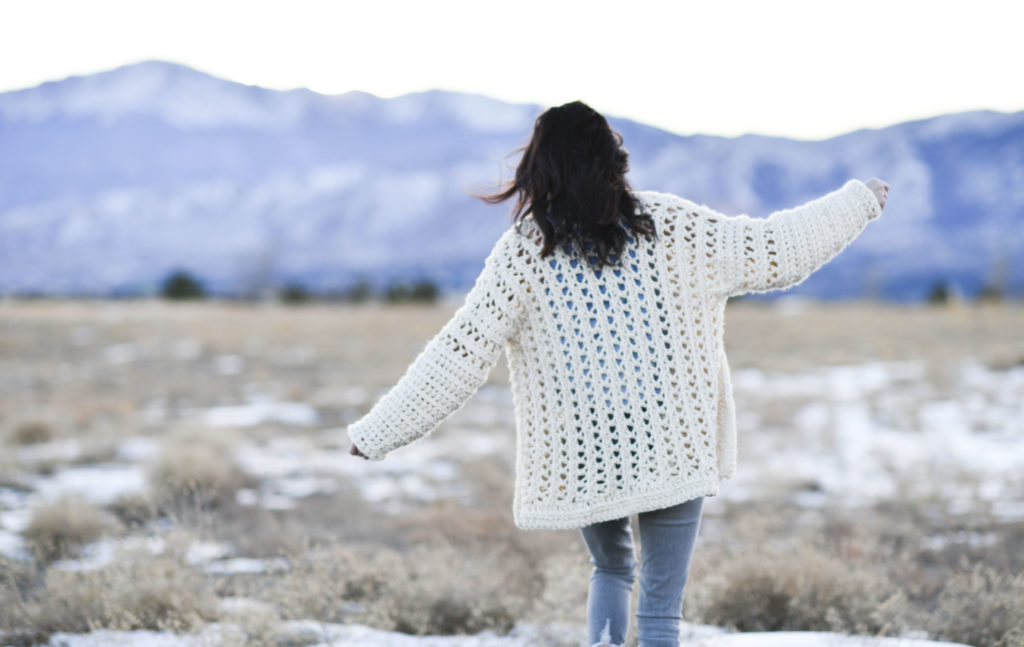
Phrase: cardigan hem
pixel 616 509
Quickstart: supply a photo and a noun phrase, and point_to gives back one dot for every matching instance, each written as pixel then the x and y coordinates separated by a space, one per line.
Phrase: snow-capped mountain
pixel 110 181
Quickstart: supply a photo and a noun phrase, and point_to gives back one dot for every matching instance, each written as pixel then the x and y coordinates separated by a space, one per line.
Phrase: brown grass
pixel 451 567
pixel 137 591
pixel 30 432
pixel 135 509
pixel 195 471
pixel 433 588
pixel 801 589
pixel 983 607
pixel 58 529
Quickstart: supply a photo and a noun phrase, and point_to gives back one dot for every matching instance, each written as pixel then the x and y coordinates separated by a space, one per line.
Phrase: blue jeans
pixel 667 540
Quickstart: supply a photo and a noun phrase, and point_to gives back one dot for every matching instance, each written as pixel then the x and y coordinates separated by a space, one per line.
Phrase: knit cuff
pixel 358 433
pixel 865 198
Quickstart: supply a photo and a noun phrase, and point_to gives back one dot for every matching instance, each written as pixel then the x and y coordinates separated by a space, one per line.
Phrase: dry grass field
pixel 166 466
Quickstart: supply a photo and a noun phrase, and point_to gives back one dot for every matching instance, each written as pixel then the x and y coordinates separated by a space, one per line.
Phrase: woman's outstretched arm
pixel 450 368
pixel 762 254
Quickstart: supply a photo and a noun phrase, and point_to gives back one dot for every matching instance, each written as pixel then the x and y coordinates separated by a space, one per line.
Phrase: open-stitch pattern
pixel 619 376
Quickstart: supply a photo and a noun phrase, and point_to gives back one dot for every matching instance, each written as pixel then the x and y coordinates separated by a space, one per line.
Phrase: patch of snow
pixel 298 414
pixel 247 496
pixel 11 498
pixel 138 448
pixel 13 546
pixel 201 552
pixel 1008 510
pixel 339 635
pixel 322 634
pixel 246 565
pixel 98 483
pixel 970 538
pixel 295 467
pixel 180 96
pixel 975 122
pixel 241 605
pixel 300 487
pixel 16 520
pixel 812 639
pixel 867 430
pixel 212 635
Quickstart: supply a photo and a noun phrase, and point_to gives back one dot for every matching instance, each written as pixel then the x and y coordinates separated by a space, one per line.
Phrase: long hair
pixel 572 179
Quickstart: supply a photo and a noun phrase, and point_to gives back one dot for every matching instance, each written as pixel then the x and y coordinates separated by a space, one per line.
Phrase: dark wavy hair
pixel 572 179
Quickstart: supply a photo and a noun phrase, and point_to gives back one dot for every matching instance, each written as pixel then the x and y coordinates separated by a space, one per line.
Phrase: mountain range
pixel 109 182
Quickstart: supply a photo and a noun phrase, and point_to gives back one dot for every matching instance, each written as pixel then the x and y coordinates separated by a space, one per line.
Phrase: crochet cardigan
pixel 619 377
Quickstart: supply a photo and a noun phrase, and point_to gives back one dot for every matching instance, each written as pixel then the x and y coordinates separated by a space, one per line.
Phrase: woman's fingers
pixel 880 188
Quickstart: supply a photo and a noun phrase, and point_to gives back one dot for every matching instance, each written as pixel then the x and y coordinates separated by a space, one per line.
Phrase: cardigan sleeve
pixel 780 251
pixel 452 365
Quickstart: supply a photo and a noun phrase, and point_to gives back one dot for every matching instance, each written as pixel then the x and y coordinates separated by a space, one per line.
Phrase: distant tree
pixel 397 292
pixel 424 290
pixel 294 294
pixel 181 285
pixel 991 293
pixel 939 294
pixel 358 292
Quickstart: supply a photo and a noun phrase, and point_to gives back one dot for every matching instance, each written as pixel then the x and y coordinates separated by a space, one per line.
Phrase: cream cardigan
pixel 619 377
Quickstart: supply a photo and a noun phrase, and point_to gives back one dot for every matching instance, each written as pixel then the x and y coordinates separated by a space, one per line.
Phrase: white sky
pixel 804 69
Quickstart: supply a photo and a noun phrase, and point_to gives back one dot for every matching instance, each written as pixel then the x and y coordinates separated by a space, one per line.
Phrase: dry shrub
pixel 430 589
pixel 195 472
pixel 983 607
pixel 106 413
pixel 16 577
pixel 1011 544
pixel 137 591
pixel 325 582
pixel 100 450
pixel 802 590
pixel 258 623
pixel 258 532
pixel 566 572
pixel 59 528
pixel 31 432
pixel 442 589
pixel 134 509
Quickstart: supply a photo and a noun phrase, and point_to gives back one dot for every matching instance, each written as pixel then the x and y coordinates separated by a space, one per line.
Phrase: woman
pixel 609 304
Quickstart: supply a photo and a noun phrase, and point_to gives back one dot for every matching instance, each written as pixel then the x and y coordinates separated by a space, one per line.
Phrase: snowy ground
pixel 859 433
pixel 856 434
pixel 330 635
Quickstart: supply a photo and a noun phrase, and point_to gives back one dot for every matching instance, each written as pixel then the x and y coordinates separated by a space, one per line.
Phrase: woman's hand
pixel 355 451
pixel 881 189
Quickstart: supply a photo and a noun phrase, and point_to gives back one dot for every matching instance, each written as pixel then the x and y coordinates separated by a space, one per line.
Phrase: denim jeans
pixel 667 540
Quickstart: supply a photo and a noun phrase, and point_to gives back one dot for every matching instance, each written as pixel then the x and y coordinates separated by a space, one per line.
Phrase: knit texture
pixel 620 382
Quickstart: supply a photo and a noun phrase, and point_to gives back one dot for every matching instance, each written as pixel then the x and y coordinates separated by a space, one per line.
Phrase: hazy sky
pixel 805 69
